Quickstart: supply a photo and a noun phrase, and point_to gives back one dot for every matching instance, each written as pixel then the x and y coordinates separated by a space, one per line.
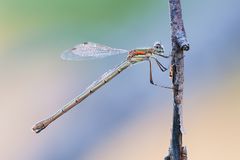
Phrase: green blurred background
pixel 128 118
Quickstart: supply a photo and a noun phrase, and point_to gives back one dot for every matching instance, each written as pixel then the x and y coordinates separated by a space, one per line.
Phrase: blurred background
pixel 128 119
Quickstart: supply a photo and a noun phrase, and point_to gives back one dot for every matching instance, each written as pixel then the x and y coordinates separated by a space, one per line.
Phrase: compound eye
pixel 157 46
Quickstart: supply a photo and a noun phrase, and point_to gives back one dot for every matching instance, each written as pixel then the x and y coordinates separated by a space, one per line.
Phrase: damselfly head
pixel 158 48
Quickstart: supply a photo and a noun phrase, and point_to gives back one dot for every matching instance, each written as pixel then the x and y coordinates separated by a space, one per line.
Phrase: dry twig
pixel 179 44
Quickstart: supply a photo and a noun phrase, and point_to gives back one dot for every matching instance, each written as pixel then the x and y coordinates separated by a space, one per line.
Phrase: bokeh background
pixel 128 119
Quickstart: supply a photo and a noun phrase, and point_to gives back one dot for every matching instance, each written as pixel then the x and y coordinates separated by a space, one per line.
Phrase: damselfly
pixel 91 50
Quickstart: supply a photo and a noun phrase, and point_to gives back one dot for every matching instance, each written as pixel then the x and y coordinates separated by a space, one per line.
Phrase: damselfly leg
pixel 161 67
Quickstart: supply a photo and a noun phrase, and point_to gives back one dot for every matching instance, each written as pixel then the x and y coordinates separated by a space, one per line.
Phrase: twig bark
pixel 179 45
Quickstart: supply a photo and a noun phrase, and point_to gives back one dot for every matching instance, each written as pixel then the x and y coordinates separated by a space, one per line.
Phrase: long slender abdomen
pixel 106 77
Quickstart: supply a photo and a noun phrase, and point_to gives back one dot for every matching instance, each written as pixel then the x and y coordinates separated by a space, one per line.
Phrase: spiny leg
pixel 151 77
pixel 163 69
pixel 164 56
pixel 150 66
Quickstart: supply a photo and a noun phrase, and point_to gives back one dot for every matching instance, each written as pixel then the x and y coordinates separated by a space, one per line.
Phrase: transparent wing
pixel 89 50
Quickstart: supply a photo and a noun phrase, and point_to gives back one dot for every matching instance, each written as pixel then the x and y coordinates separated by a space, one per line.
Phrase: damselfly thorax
pixel 137 55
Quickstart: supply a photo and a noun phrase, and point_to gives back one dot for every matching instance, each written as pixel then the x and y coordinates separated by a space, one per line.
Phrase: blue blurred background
pixel 128 118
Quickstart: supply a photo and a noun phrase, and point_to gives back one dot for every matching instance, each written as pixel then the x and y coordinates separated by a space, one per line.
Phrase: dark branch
pixel 178 31
pixel 179 44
